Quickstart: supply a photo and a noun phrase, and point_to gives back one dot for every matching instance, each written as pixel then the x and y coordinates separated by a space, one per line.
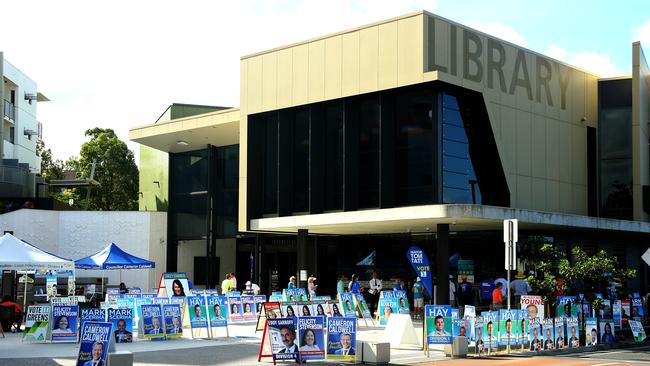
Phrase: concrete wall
pixel 640 133
pixel 154 167
pixel 226 252
pixel 77 234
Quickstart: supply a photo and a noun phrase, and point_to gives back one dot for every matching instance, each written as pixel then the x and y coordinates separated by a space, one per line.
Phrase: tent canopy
pixel 112 257
pixel 18 255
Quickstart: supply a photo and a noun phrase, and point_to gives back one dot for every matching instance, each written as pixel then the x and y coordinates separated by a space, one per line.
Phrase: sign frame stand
pixel 265 338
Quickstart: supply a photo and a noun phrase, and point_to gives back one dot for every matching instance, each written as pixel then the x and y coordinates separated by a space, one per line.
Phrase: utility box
pixel 373 352
pixel 458 348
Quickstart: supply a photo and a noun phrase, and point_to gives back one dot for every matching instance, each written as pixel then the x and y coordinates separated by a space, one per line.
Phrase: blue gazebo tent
pixel 112 257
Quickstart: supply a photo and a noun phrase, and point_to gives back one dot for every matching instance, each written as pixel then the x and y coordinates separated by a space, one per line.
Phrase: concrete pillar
pixel 442 264
pixel 303 249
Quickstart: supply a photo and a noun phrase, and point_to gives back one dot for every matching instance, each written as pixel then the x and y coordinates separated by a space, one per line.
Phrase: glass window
pixel 301 161
pixel 270 197
pixel 334 156
pixel 369 118
pixel 188 197
pixel 227 191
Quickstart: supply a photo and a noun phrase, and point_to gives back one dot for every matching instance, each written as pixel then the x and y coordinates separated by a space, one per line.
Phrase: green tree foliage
pixel 50 169
pixel 549 264
pixel 115 171
pixel 596 271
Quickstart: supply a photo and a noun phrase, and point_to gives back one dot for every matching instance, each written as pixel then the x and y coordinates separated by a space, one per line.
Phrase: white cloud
pixel 642 33
pixel 119 64
pixel 597 63
pixel 502 31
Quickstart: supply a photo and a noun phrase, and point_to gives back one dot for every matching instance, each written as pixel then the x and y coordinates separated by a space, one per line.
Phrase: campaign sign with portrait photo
pixel 197 311
pixel 152 322
pixel 507 324
pixel 341 338
pixel 583 311
pixel 591 332
pixel 289 309
pixel 616 312
pixel 259 303
pixel 282 333
pixel 173 318
pixel 235 311
pixel 37 323
pixel 535 334
pixel 304 308
pixel 637 331
pixel 478 334
pixel 122 320
pixel 548 333
pixel 534 305
pixel 64 323
pixel 459 327
pixel 606 311
pixel 402 302
pixel 522 327
pixel 438 324
pixel 218 311
pixel 176 285
pixel 625 312
pixel 291 294
pixel 388 306
pixel 637 309
pixel 320 308
pixel 347 304
pixel 311 334
pixel 490 328
pixel 91 314
pixel 96 340
pixel 573 332
pixel 560 337
pixel 607 334
pixel 362 306
pixel 334 309
pixel 249 311
pixel 566 306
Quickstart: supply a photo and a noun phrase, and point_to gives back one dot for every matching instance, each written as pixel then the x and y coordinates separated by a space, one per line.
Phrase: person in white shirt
pixel 375 289
pixel 452 291
pixel 520 286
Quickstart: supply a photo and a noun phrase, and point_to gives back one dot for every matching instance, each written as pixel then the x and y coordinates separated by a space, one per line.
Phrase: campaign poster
pixel 522 327
pixel 617 308
pixel 91 314
pixel 459 327
pixel 218 311
pixel 122 320
pixel 560 339
pixel 490 328
pixel 625 312
pixel 362 306
pixel 152 322
pixel 112 294
pixel 37 323
pixel 289 309
pixel 637 309
pixel 547 333
pixel 347 303
pixel 304 308
pixel 291 294
pixel 420 262
pixel 573 332
pixel 64 323
pixel 276 297
pixel 235 314
pixel 507 325
pixel 50 285
pixel 638 332
pixel 282 333
pixel 439 325
pixel 341 338
pixel 301 294
pixel 176 284
pixel 312 337
pixel 249 311
pixel 272 310
pixel 320 308
pixel 334 309
pixel 534 305
pixel 607 334
pixel 478 335
pixel 606 312
pixel 198 313
pixel 566 306
pixel 469 314
pixel 173 318
pixel 157 300
pixel 591 332
pixel 388 307
pixel 95 343
pixel 402 301
pixel 536 337
pixel 259 303
pixel 136 302
pixel 584 311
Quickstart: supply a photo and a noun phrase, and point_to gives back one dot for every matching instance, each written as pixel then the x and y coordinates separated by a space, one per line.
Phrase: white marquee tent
pixel 18 255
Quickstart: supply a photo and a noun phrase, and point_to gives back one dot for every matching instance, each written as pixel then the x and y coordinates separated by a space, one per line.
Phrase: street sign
pixel 510 239
pixel 646 257
pixel 510 230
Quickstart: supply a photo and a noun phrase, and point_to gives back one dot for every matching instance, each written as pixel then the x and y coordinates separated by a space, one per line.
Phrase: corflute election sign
pixel 64 323
pixel 122 320
pixel 95 342
pixel 37 323
pixel 438 324
pixel 341 338
pixel 420 263
pixel 311 334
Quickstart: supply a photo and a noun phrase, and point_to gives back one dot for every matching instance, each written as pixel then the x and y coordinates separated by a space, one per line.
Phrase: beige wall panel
pixel 523 100
pixel 538 147
pixel 509 135
pixel 243 85
pixel 566 197
pixel 494 113
pixel 285 78
pixel 576 93
pixel 333 67
pixel 524 192
pixel 565 152
pixel 553 149
pixel 269 81
pixel 552 195
pixel 591 87
pixel 316 71
pixel 512 186
pixel 387 63
pixel 473 67
pixel 255 84
pixel 523 142
pixel 300 75
pixel 579 154
pixel 350 63
pixel 580 199
pixel 410 43
pixel 539 198
pixel 368 62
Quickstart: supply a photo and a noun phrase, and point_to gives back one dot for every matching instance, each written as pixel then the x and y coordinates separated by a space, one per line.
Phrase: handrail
pixel 9 110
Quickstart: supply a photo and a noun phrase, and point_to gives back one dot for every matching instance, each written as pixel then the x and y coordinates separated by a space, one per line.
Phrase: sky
pixel 119 64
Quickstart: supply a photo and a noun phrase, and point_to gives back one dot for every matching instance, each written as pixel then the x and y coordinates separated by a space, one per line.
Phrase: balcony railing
pixel 9 110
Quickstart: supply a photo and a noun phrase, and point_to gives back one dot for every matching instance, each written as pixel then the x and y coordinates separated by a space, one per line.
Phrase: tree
pixel 115 171
pixel 596 271
pixel 50 169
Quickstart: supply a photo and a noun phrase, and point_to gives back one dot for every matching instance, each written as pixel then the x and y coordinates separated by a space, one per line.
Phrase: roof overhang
pixel 422 219
pixel 219 128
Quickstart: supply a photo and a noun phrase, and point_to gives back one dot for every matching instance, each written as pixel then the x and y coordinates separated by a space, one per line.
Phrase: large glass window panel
pixel 616 133
pixel 301 161
pixel 334 156
pixel 188 196
pixel 270 197
pixel 227 190
pixel 369 118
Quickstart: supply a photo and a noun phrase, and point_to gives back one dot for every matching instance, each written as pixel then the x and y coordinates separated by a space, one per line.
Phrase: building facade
pixel 349 148
pixel 20 131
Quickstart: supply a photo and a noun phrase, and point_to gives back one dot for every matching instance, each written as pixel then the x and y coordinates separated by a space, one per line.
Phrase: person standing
pixel 233 280
pixel 418 298
pixel 520 286
pixel 226 285
pixel 452 291
pixel 375 289
pixel 311 286
pixel 340 285
pixel 292 283
pixel 497 297
pixel 354 286
pixel 465 292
